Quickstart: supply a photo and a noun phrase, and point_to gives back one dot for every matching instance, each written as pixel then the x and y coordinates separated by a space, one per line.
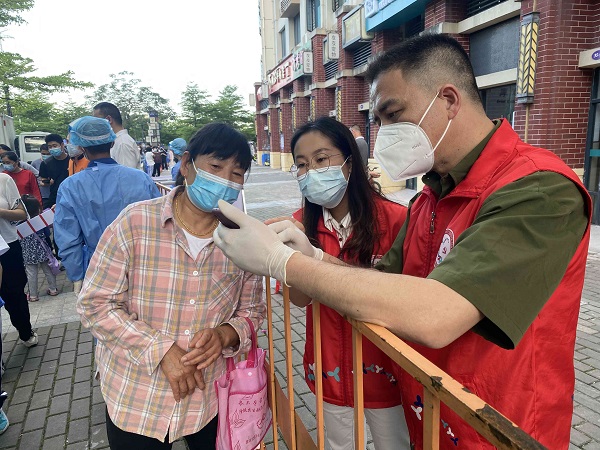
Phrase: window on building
pixel 335 4
pixel 488 55
pixel 297 33
pixel 477 6
pixel 283 42
pixel 313 14
pixel 499 101
pixel 592 169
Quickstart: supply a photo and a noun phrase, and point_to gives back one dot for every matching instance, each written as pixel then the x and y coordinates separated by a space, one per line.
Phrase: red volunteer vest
pixel 533 384
pixel 380 372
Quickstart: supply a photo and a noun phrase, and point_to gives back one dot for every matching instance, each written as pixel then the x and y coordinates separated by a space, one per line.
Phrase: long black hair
pixel 361 195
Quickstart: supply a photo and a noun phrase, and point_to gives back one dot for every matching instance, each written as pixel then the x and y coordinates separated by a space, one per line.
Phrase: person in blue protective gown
pixel 178 147
pixel 90 200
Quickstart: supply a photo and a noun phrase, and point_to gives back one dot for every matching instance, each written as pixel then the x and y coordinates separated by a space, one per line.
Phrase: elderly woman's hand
pixel 208 344
pixel 183 380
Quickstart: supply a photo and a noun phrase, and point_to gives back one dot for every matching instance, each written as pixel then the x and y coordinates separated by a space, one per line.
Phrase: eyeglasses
pixel 320 163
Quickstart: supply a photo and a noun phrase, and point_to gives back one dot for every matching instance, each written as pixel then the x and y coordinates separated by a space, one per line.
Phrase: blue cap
pixel 90 131
pixel 178 146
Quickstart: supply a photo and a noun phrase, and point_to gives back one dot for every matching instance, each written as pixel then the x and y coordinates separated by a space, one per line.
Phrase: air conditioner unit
pixel 332 113
pixel 266 128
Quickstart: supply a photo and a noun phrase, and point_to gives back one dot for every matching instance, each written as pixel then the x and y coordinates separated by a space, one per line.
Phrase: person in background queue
pixel 90 200
pixel 125 150
pixel 78 161
pixel 485 277
pixel 22 164
pixel 14 278
pixel 53 171
pixel 178 147
pixel 24 179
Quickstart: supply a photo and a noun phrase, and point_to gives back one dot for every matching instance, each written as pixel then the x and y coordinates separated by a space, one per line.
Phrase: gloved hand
pixel 254 247
pixel 77 286
pixel 294 238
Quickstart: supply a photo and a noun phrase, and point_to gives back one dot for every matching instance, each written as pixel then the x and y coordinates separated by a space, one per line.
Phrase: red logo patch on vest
pixel 445 247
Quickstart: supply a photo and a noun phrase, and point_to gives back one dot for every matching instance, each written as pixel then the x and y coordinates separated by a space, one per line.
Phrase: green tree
pixel 229 108
pixel 10 11
pixel 133 100
pixel 33 112
pixel 196 106
pixel 16 78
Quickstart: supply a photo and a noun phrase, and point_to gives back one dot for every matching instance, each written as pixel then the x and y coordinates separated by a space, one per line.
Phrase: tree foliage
pixel 10 11
pixel 133 100
pixel 16 78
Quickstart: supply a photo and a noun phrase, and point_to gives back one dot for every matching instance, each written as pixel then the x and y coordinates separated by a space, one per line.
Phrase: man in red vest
pixel 485 277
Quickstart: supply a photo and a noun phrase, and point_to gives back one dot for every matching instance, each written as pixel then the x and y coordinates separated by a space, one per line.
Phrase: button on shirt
pixel 143 293
pixel 342 229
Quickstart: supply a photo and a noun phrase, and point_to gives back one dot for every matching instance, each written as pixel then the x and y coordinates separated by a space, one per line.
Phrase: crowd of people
pixel 482 273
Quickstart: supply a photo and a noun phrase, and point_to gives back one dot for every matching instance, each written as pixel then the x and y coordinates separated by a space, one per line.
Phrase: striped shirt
pixel 142 293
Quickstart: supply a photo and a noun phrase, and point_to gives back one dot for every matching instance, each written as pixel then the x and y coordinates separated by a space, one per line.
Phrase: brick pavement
pixel 54 403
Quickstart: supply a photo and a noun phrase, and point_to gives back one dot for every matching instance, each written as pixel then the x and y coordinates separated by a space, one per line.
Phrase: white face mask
pixel 74 150
pixel 403 149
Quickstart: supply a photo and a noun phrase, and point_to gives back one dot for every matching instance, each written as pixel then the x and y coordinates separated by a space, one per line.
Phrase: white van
pixel 27 145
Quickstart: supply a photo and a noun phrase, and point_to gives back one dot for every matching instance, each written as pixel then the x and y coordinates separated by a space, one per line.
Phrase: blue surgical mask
pixel 8 167
pixel 45 157
pixel 56 152
pixel 325 189
pixel 207 189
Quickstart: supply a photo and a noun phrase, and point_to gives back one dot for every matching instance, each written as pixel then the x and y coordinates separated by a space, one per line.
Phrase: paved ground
pixel 54 403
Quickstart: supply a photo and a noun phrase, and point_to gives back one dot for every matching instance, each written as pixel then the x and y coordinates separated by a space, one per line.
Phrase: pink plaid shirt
pixel 142 293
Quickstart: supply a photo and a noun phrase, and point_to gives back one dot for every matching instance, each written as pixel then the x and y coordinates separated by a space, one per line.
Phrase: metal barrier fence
pixel 438 387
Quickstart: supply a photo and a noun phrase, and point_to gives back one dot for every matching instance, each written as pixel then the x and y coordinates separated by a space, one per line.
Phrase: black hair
pixel 101 148
pixel 53 138
pixel 108 109
pixel 361 195
pixel 222 141
pixel 431 60
pixel 44 147
pixel 32 205
pixel 11 155
pixel 5 148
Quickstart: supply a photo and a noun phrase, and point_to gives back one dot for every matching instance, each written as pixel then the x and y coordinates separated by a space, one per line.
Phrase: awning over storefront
pixel 387 14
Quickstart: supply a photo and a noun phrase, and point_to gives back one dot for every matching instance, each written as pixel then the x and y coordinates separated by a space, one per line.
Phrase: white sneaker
pixel 33 340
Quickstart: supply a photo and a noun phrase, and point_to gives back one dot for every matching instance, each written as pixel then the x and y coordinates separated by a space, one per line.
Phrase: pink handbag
pixel 244 413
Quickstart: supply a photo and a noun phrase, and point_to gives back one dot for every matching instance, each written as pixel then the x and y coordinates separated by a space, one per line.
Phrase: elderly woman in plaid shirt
pixel 167 306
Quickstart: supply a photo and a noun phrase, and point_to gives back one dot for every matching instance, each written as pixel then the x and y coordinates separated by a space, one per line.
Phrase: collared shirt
pixel 143 293
pixel 125 151
pixel 342 229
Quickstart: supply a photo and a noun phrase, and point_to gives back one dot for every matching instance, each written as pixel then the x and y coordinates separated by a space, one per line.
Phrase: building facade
pixel 537 64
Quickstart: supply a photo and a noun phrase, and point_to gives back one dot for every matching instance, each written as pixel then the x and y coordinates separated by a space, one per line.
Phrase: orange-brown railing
pixel 438 387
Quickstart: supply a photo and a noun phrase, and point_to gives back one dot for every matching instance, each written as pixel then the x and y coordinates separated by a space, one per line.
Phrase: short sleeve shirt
pixel 512 258
pixel 9 199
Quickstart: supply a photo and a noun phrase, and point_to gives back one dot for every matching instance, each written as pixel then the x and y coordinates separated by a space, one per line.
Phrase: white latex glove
pixel 293 237
pixel 77 286
pixel 254 247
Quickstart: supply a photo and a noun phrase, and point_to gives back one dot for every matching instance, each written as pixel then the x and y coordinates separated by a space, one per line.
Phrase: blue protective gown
pixel 88 202
pixel 175 170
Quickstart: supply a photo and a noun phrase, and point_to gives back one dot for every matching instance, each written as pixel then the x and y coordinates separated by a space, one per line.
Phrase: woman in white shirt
pixel 12 288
